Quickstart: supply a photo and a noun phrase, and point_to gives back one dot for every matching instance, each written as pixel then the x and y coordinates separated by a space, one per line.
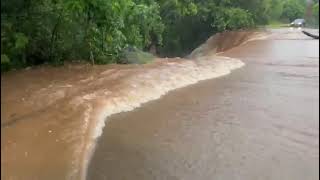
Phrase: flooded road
pixel 259 123
pixel 51 117
pixel 254 115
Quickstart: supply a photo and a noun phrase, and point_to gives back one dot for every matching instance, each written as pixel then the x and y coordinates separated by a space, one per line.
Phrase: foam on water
pixel 69 107
pixel 144 86
pixel 76 101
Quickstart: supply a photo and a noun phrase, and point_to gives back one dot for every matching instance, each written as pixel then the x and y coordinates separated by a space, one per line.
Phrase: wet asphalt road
pixel 259 123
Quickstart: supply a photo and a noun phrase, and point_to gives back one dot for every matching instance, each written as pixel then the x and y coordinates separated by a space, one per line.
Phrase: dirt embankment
pixel 224 41
pixel 63 110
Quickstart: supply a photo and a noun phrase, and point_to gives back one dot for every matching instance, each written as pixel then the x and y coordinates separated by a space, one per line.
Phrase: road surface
pixel 259 123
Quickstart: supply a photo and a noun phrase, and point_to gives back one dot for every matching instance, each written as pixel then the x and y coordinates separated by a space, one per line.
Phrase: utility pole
pixel 308 13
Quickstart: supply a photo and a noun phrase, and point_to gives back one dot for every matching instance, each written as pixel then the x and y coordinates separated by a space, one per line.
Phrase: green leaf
pixel 4 59
pixel 21 41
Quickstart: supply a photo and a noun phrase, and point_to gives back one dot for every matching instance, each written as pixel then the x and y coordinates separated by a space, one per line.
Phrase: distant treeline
pixel 54 31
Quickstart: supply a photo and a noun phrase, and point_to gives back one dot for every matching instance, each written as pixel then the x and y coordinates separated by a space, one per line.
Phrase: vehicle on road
pixel 298 23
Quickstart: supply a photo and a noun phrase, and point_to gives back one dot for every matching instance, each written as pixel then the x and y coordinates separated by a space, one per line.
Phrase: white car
pixel 298 23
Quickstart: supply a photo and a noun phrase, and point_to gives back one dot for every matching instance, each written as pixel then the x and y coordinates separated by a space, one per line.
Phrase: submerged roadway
pixel 261 122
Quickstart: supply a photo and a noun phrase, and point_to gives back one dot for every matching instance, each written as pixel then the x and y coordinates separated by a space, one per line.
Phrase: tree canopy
pixel 54 31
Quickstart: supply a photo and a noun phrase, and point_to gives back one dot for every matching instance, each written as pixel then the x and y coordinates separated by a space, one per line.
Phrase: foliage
pixel 54 31
pixel 276 10
pixel 135 56
pixel 315 12
pixel 292 10
pixel 190 23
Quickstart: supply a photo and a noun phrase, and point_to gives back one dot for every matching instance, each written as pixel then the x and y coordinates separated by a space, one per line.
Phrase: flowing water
pixel 259 123
pixel 63 119
pixel 52 117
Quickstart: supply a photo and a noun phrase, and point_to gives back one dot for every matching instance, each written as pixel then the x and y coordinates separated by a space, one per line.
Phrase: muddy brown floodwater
pixel 259 122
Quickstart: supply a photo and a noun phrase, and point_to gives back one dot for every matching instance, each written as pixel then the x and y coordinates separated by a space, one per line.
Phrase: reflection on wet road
pixel 259 123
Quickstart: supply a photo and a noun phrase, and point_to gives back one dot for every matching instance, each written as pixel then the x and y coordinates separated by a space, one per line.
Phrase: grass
pixel 275 24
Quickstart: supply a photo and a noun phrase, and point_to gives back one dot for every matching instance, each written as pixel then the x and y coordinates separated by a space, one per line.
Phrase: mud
pixel 260 122
pixel 51 117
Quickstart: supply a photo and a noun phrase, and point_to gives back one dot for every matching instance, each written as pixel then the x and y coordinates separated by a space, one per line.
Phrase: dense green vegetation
pixel 99 31
pixel 315 14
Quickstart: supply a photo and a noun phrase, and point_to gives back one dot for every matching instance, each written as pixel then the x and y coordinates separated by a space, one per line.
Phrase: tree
pixel 54 31
pixel 315 12
pixel 292 10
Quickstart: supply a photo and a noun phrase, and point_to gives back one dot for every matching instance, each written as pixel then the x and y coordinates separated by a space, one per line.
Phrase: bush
pixel 35 32
pixel 292 10
pixel 5 61
pixel 54 31
pixel 315 12
pixel 135 56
